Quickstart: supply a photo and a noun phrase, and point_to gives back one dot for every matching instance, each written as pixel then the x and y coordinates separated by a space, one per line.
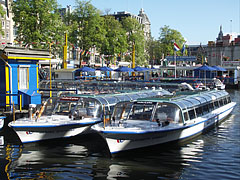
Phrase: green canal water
pixel 213 155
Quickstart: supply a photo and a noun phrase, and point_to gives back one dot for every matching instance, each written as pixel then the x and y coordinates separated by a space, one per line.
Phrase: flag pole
pixel 175 64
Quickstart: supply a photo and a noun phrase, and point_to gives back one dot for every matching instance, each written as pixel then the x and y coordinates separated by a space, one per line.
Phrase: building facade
pixel 224 50
pixel 142 18
pixel 65 11
pixel 7 24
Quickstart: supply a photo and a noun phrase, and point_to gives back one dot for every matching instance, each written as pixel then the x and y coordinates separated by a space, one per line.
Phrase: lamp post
pixel 50 70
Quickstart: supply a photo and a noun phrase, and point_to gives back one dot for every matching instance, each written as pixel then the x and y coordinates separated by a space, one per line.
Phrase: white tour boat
pixel 71 115
pixel 151 121
pixel 2 121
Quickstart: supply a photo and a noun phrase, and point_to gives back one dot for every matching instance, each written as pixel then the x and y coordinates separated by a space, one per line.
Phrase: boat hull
pixel 2 122
pixel 122 140
pixel 33 131
pixel 40 134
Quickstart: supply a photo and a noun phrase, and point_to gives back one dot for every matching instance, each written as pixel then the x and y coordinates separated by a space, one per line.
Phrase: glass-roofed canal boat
pixel 70 115
pixel 152 121
pixel 2 121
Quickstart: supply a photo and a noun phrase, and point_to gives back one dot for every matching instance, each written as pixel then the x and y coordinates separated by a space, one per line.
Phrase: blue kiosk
pixel 19 76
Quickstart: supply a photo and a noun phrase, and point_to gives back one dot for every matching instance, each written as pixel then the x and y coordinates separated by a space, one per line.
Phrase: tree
pixel 167 38
pixel 2 13
pixel 115 41
pixel 87 30
pixel 154 51
pixel 38 23
pixel 135 35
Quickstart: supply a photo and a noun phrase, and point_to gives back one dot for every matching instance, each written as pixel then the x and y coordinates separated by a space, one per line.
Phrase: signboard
pixel 231 63
pixel 181 58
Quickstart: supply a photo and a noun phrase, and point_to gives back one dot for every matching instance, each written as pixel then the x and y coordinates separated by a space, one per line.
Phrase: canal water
pixel 213 155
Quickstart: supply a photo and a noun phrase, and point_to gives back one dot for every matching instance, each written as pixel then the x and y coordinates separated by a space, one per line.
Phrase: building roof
pixel 24 53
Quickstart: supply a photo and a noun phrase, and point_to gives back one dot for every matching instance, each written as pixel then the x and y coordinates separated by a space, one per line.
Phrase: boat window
pixel 211 106
pixel 185 116
pixel 168 112
pixel 141 111
pixel 199 111
pixel 87 108
pixel 111 100
pixel 65 107
pixel 49 107
pixel 216 104
pixel 229 99
pixel 121 110
pixel 221 102
pixel 225 101
pixel 191 114
pixel 205 109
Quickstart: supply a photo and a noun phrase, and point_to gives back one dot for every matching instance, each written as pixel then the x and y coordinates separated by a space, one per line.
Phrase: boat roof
pixel 190 99
pixel 111 99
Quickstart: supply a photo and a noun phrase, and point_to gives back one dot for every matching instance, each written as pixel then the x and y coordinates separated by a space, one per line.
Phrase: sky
pixel 198 21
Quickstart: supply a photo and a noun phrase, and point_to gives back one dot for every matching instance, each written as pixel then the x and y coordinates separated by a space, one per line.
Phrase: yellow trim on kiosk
pixel 33 58
pixel 27 78
pixel 7 85
pixel 20 102
pixel 18 76
pixel 37 77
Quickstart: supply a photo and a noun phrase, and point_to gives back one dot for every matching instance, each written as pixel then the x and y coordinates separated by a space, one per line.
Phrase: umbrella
pixel 217 68
pixel 138 68
pixel 105 68
pixel 124 69
pixel 146 68
pixel 205 68
pixel 85 69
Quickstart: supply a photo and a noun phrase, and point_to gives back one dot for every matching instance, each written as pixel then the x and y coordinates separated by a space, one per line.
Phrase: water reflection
pixel 58 159
pixel 161 161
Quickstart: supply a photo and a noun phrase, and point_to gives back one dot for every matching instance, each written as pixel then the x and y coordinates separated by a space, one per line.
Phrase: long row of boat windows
pixel 206 108
pixel 166 111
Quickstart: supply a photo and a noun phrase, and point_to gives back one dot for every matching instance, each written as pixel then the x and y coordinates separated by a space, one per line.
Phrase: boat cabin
pixel 81 106
pixel 182 109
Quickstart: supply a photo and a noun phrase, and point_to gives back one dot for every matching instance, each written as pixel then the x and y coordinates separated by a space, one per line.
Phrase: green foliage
pixel 87 26
pixel 38 23
pixel 167 38
pixel 115 41
pixel 135 35
pixel 2 13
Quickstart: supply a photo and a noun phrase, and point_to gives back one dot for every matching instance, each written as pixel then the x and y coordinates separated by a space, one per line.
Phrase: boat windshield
pixel 133 111
pixel 167 113
pixel 65 105
pixel 78 107
pixel 86 108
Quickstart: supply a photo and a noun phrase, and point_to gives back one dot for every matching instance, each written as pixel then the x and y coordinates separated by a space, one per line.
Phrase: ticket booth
pixel 19 76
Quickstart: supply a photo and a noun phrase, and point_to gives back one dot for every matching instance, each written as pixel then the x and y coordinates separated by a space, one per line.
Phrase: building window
pixel 23 77
pixel 7 35
pixel 7 24
pixel 3 24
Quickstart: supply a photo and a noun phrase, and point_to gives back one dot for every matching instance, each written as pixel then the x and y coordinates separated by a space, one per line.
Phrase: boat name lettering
pixel 69 98
pixel 144 102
